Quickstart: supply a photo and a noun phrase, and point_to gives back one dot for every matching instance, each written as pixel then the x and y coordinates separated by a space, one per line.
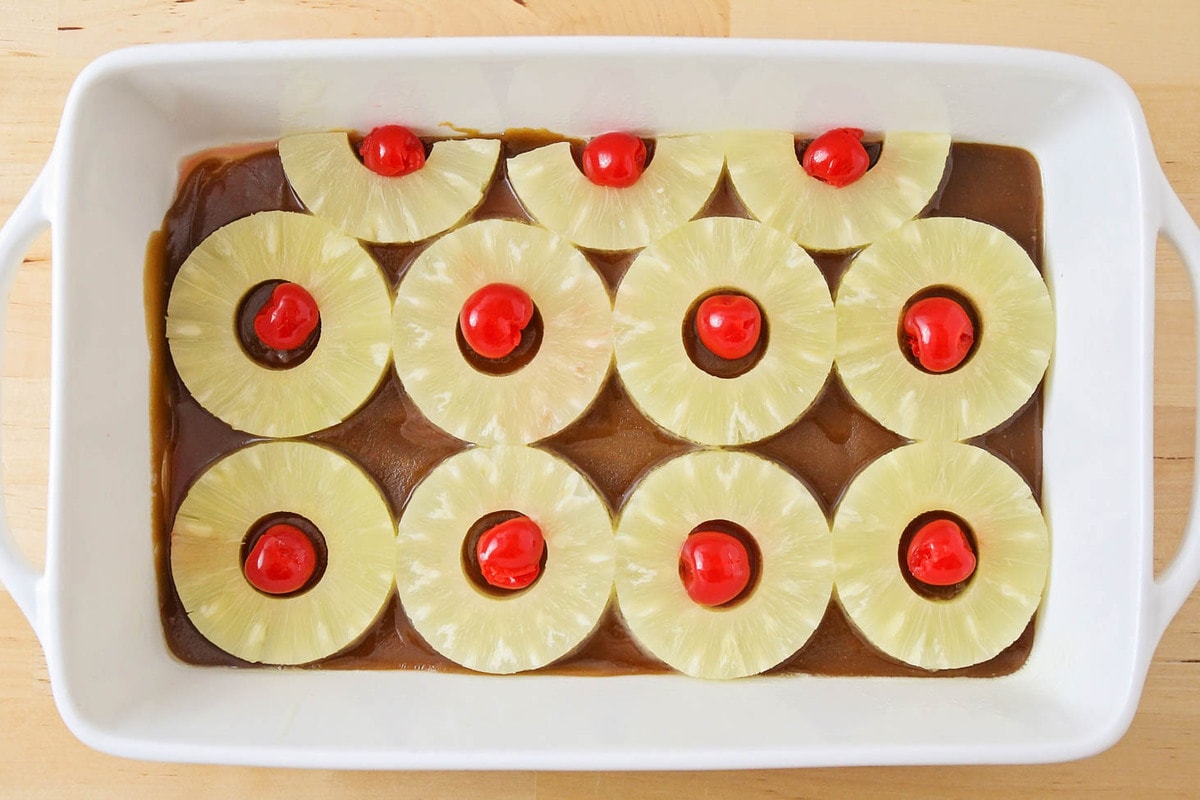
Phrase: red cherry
pixel 392 151
pixel 939 333
pixel 837 157
pixel 281 561
pixel 510 554
pixel 729 325
pixel 288 318
pixel 940 555
pixel 714 567
pixel 614 159
pixel 493 319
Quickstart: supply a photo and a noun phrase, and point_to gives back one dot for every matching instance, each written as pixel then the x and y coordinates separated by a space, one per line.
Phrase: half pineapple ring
pixel 524 630
pixel 653 301
pixel 1012 546
pixel 679 180
pixel 546 394
pixel 770 180
pixel 228 499
pixel 354 303
pixel 1013 346
pixel 334 185
pixel 795 574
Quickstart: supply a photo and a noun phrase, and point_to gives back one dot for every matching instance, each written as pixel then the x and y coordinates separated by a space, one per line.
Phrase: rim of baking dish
pixel 176 711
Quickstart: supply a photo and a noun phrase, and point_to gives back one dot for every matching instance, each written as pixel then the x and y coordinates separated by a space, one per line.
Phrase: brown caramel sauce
pixel 612 442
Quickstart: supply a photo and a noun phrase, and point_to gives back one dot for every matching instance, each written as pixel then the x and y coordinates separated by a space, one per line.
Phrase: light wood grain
pixel 44 45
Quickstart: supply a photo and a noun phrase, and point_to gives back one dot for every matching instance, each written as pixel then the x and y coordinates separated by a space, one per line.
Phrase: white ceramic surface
pixel 131 117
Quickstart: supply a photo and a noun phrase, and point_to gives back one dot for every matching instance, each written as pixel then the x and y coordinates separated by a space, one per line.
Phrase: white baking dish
pixel 132 115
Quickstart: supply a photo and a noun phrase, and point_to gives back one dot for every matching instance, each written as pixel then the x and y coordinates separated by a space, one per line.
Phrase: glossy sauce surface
pixel 612 442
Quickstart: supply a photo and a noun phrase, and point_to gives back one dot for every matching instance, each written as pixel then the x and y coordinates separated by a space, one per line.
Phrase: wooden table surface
pixel 43 45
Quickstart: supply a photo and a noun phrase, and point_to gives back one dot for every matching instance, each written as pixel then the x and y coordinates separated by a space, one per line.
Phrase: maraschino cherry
pixel 714 567
pixel 939 333
pixel 493 319
pixel 282 560
pixel 837 157
pixel 940 555
pixel 288 318
pixel 614 159
pixel 392 151
pixel 510 554
pixel 729 325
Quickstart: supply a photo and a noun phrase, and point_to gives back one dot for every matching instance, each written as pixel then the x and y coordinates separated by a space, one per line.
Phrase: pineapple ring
pixel 675 186
pixel 653 301
pixel 1012 543
pixel 770 180
pixel 795 575
pixel 306 479
pixel 333 184
pixel 529 629
pixel 546 394
pixel 349 358
pixel 1012 351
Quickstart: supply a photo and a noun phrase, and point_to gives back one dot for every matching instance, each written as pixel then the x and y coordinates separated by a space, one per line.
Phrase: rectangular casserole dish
pixel 134 114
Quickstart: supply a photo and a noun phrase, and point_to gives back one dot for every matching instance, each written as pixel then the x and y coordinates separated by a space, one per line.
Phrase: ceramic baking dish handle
pixel 1179 579
pixel 27 222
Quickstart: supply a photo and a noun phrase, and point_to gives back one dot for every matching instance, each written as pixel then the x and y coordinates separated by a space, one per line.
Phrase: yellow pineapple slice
pixel 795 574
pixel 1012 349
pixel 224 504
pixel 351 294
pixel 527 629
pixel 676 184
pixel 654 299
pixel 546 394
pixel 773 185
pixel 333 184
pixel 1012 546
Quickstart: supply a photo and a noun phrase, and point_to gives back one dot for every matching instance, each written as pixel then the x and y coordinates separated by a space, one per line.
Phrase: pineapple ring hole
pixel 747 541
pixel 577 146
pixel 706 359
pixel 254 347
pixel 874 148
pixel 950 293
pixel 305 526
pixel 470 556
pixel 926 590
pixel 521 355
